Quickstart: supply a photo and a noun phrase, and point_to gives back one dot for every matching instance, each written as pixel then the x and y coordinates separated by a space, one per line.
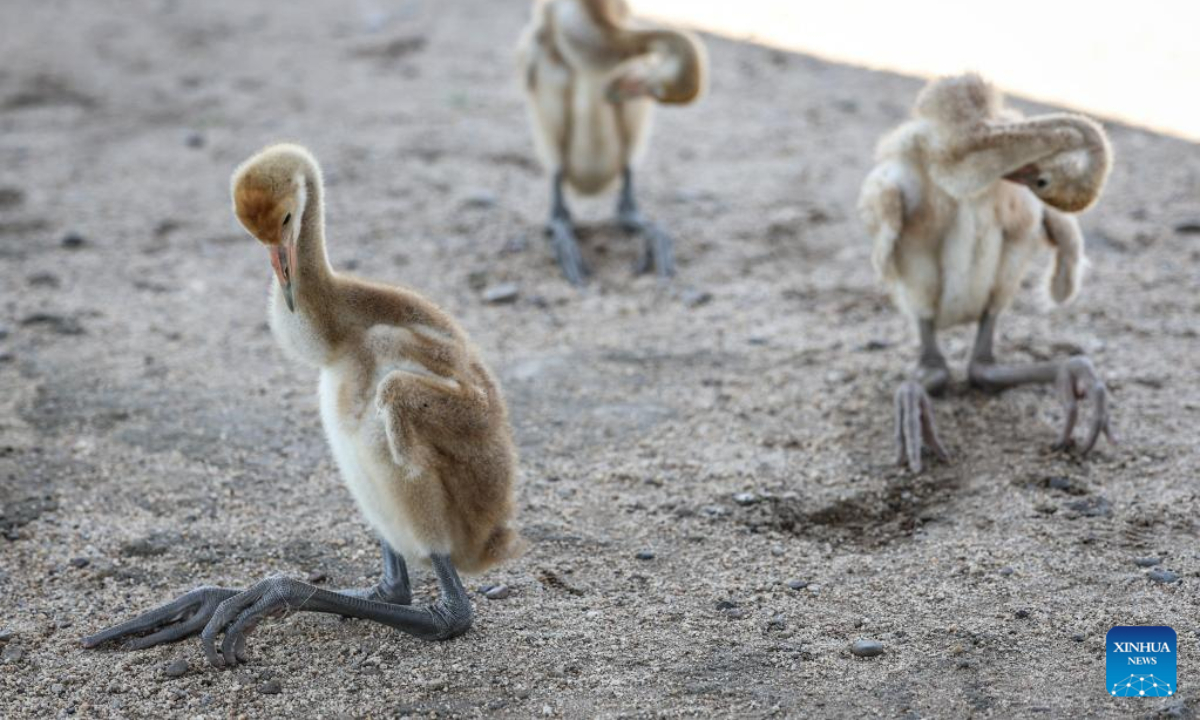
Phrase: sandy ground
pixel 153 438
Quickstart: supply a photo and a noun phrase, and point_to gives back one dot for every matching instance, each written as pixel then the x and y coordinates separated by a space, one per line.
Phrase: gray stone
pixel 1162 576
pixel 55 323
pixel 176 668
pixel 480 199
pixel 80 562
pixel 797 584
pixel 1146 561
pixel 867 648
pixel 695 298
pixel 270 687
pixel 12 655
pixel 1092 507
pixel 497 592
pixel 502 294
pixel 73 241
pixel 644 555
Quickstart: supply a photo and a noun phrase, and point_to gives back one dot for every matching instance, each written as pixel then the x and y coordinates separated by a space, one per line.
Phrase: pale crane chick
pixel 964 195
pixel 592 76
pixel 415 420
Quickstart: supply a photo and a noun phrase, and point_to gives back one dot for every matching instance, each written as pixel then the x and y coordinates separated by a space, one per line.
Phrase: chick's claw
pixel 1078 381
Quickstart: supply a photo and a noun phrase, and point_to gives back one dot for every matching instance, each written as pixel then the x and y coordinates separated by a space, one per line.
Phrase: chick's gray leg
pixel 561 230
pixel 1075 379
pixel 393 587
pixel 915 427
pixel 449 617
pixel 658 250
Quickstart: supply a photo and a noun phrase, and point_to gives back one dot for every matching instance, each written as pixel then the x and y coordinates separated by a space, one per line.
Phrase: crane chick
pixel 592 76
pixel 414 418
pixel 962 198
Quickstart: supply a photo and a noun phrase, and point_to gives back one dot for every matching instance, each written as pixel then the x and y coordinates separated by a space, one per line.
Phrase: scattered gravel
pixel 650 413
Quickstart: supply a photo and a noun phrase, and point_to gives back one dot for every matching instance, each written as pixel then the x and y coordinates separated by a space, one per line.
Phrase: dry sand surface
pixel 734 428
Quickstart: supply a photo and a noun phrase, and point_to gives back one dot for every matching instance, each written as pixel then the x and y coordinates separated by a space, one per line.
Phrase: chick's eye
pixel 288 218
pixel 1042 183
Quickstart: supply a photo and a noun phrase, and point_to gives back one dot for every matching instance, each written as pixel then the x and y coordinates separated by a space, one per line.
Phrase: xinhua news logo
pixel 1140 661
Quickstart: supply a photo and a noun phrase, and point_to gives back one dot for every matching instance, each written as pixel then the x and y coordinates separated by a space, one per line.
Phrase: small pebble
pixel 502 294
pixel 477 280
pixel 1006 571
pixel 44 279
pixel 1022 613
pixel 12 654
pixel 797 584
pixel 73 241
pixel 270 687
pixel 6 635
pixel 695 298
pixel 644 555
pixel 316 576
pixel 745 498
pixel 1078 637
pixel 194 140
pixel 867 648
pixel 1162 576
pixel 1146 561
pixel 497 592
pixel 876 345
pixel 80 562
pixel 480 199
pixel 3 332
pixel 1092 507
pixel 177 668
pixel 726 605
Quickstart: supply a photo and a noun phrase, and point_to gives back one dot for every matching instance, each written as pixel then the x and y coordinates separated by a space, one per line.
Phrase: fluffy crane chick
pixel 963 197
pixel 592 77
pixel 414 418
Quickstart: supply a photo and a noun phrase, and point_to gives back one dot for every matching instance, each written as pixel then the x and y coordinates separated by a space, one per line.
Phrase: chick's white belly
pixel 595 151
pixel 368 470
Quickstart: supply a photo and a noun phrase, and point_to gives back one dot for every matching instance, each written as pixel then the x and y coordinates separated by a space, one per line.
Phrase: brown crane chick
pixel 963 197
pixel 415 420
pixel 592 76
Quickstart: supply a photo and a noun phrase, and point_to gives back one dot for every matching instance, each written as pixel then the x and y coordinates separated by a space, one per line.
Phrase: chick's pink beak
pixel 1026 175
pixel 283 259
